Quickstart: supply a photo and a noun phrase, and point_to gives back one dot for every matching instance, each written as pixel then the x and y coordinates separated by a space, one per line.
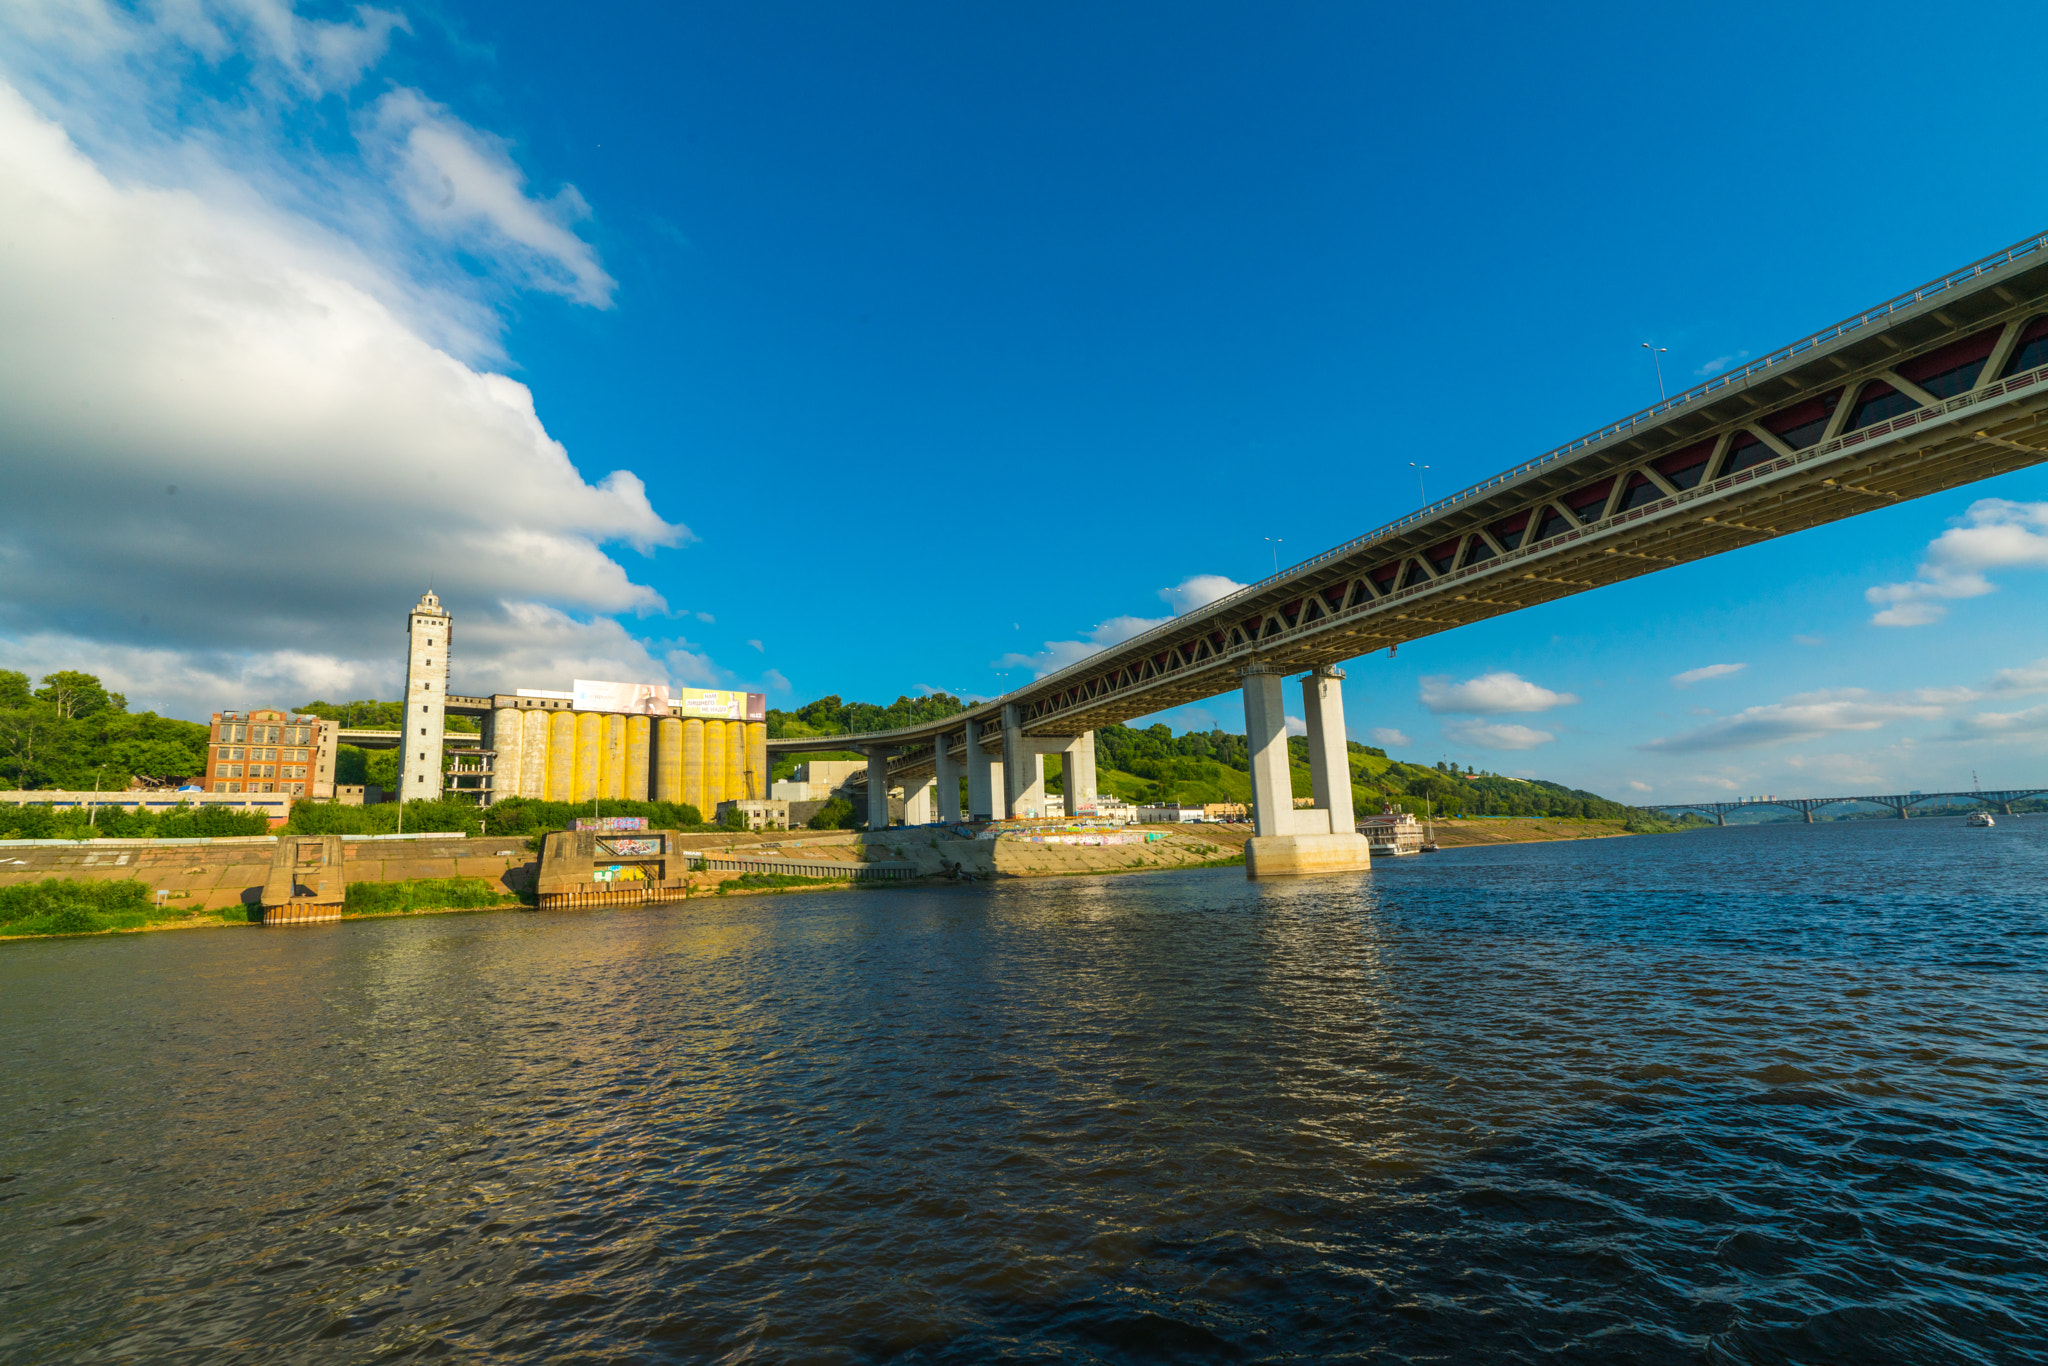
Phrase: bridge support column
pixel 1276 849
pixel 1720 817
pixel 1078 765
pixel 917 801
pixel 947 779
pixel 878 789
pixel 1329 757
pixel 1023 780
pixel 984 778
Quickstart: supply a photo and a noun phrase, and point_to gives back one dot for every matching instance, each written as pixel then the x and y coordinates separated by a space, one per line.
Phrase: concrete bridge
pixel 1898 802
pixel 1938 387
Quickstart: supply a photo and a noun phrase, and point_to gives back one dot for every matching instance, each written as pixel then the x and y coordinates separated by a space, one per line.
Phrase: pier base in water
pixel 1306 855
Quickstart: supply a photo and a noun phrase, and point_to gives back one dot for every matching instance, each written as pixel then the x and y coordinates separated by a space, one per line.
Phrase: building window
pixel 220 787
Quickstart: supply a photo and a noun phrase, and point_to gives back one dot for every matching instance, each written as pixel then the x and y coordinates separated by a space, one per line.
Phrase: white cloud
pixel 1386 737
pixel 1058 654
pixel 1490 695
pixel 1296 726
pixel 463 185
pixel 1809 640
pixel 1806 716
pixel 1705 672
pixel 329 459
pixel 1720 363
pixel 1995 533
pixel 1198 590
pixel 1493 735
pixel 1638 787
pixel 758 645
pixel 1995 725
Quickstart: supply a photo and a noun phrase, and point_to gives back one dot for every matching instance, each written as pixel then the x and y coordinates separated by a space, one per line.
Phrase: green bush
pixel 40 822
pixel 71 906
pixel 733 819
pixel 836 814
pixel 425 893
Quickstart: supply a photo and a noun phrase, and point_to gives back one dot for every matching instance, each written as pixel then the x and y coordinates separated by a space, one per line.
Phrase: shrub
pixel 426 893
pixel 733 819
pixel 836 814
pixel 71 906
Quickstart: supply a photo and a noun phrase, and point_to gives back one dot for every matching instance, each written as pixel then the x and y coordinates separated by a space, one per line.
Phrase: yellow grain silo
pixel 693 764
pixel 589 755
pixel 714 769
pixel 638 731
pixel 757 757
pixel 506 738
pixel 611 769
pixel 533 754
pixel 736 761
pixel 561 756
pixel 668 760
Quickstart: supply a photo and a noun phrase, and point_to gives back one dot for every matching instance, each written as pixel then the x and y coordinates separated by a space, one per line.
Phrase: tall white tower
pixel 429 633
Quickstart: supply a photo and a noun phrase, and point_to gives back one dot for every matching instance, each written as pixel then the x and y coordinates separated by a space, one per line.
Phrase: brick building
pixel 271 751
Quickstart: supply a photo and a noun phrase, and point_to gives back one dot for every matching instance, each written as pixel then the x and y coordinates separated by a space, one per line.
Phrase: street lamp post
pixel 1274 543
pixel 1419 487
pixel 1656 351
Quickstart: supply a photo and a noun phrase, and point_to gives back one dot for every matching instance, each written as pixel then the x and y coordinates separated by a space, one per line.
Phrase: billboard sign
pixel 610 823
pixel 640 699
pixel 722 706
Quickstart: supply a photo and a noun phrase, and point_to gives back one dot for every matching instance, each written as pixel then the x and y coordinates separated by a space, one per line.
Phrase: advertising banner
pixel 624 846
pixel 641 699
pixel 610 823
pixel 722 706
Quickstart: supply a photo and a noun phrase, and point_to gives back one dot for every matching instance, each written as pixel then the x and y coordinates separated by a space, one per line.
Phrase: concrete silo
pixel 668 760
pixel 693 763
pixel 714 768
pixel 533 755
pixel 561 756
pixel 611 769
pixel 508 738
pixel 757 757
pixel 589 755
pixel 639 729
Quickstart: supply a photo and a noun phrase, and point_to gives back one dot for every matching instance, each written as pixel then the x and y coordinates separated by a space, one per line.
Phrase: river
pixel 1752 1095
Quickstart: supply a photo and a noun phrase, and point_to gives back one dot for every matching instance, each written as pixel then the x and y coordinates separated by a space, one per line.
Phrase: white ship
pixel 1392 833
pixel 1980 818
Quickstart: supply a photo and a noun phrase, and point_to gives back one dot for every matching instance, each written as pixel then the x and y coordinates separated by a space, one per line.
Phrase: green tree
pixel 14 693
pixel 73 695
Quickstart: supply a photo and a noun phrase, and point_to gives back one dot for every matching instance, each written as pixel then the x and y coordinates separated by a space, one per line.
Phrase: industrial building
pixel 270 751
pixel 603 741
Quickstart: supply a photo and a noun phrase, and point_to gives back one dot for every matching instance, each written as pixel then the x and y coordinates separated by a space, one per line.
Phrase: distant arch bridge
pixel 1899 802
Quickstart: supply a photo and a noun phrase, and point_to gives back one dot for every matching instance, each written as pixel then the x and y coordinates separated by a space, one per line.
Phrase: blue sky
pixel 819 349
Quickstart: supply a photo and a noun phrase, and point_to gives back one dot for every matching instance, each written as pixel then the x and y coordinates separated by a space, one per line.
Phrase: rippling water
pixel 1771 1094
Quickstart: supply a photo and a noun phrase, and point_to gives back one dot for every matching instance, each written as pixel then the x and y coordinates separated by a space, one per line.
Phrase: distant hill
pixel 1155 765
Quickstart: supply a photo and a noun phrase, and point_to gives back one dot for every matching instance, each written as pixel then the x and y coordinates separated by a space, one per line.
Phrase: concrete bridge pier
pixel 948 778
pixel 917 800
pixel 984 778
pixel 1286 842
pixel 1077 774
pixel 878 788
